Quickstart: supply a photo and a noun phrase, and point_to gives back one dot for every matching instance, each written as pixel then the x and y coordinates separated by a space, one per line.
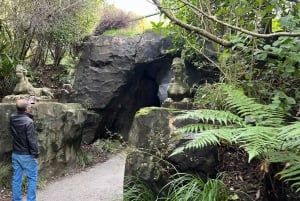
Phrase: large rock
pixel 118 75
pixel 108 63
pixel 154 137
pixel 60 129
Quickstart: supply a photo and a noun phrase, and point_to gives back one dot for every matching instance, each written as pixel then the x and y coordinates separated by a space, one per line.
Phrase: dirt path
pixel 102 182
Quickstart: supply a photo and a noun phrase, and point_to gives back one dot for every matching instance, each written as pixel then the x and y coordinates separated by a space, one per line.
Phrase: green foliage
pixel 7 70
pixel 135 189
pixel 124 32
pixel 84 159
pixel 206 99
pixel 190 187
pixel 108 145
pixel 287 152
pixel 263 66
pixel 261 132
pixel 5 174
pixel 236 127
pixel 157 27
pixel 111 144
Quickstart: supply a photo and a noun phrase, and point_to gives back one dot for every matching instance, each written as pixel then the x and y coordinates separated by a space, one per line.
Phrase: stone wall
pixel 60 128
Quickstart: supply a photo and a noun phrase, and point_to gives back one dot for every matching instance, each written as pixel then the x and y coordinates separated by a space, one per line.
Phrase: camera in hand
pixel 31 100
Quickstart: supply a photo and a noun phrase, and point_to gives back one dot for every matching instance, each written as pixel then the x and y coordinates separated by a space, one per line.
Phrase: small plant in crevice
pixel 111 144
pixel 5 174
pixel 84 159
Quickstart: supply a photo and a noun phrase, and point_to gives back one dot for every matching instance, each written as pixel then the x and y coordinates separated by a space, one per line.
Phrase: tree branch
pixel 188 27
pixel 209 35
pixel 199 12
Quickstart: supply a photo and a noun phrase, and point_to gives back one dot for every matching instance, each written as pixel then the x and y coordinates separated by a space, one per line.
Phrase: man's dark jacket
pixel 24 134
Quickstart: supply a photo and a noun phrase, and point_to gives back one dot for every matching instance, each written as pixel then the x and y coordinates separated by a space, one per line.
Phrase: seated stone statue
pixel 178 89
pixel 23 86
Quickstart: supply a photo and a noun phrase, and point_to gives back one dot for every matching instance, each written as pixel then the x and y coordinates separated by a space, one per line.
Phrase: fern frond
pixel 196 128
pixel 282 156
pixel 290 131
pixel 213 116
pixel 244 106
pixel 291 172
pixel 206 138
pixel 290 135
pixel 257 140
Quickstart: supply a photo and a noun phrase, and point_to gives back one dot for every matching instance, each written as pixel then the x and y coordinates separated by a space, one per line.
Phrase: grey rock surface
pixel 117 75
pixel 154 135
pixel 59 130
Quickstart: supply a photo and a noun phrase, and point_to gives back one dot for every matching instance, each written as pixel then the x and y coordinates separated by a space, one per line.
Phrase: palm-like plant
pixel 259 129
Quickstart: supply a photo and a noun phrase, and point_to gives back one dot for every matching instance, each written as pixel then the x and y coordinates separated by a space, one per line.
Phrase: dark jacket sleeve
pixel 32 140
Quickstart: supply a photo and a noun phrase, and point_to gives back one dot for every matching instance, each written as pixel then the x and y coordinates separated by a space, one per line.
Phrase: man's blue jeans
pixel 24 164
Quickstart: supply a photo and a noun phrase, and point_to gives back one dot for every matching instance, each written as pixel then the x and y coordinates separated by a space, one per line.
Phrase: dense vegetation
pixel 255 46
pixel 45 36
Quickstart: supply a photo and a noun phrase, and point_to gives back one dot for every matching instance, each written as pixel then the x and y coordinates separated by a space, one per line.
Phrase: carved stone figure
pixel 178 89
pixel 23 86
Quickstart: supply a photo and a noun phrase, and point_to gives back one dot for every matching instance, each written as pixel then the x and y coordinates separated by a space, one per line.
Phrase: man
pixel 25 151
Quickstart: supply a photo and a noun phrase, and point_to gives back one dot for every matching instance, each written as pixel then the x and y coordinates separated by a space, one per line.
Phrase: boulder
pixel 60 128
pixel 117 75
pixel 153 137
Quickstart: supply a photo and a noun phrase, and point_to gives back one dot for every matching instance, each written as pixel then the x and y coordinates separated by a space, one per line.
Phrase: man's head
pixel 23 105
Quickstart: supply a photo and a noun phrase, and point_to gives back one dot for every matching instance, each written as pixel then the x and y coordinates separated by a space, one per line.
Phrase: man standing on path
pixel 25 151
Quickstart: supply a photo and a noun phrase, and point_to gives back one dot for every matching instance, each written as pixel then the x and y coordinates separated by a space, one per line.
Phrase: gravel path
pixel 102 182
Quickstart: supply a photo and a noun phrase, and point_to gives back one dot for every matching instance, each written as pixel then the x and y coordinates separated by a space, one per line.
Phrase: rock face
pixel 118 75
pixel 153 135
pixel 60 128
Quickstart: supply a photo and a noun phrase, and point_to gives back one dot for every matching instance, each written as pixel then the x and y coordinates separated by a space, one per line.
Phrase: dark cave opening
pixel 141 90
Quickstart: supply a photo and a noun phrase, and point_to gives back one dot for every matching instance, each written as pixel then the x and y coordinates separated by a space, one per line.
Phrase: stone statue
pixel 24 88
pixel 178 89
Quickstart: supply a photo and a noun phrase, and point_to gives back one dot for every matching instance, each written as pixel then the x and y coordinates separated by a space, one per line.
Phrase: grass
pixel 136 189
pixel 121 32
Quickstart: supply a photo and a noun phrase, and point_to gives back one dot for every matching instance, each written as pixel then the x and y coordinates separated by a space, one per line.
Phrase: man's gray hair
pixel 22 104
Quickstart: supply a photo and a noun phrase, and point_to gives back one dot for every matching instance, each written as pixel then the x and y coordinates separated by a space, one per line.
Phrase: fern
pixel 196 128
pixel 288 153
pixel 206 138
pixel 245 106
pixel 257 128
pixel 213 116
pixel 257 140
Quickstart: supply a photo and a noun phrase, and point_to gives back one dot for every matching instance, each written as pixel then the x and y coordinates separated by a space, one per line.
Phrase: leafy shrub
pixel 112 18
pixel 5 174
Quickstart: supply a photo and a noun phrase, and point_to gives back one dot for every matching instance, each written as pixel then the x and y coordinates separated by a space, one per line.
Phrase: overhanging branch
pixel 195 29
pixel 199 12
